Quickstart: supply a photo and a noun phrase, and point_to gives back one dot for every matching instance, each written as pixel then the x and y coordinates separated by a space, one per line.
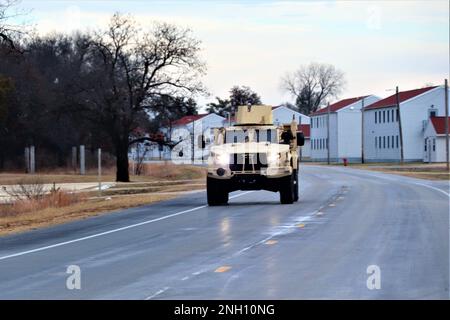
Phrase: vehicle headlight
pixel 222 159
pixel 273 157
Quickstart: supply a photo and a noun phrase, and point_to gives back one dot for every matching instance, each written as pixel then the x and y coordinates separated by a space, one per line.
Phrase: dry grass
pixel 151 172
pixel 160 183
pixel 429 171
pixel 57 199
pixel 52 215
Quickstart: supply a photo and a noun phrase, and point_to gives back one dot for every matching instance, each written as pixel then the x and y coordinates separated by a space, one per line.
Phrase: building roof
pixel 305 128
pixel 439 124
pixel 402 97
pixel 338 105
pixel 188 119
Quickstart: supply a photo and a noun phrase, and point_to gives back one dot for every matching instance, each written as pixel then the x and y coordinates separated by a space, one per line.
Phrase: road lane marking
pixel 222 269
pixel 332 205
pixel 271 242
pixel 111 231
pixel 301 225
pixel 157 293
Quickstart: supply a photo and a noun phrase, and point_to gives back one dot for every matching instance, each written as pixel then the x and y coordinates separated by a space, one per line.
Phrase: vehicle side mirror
pixel 300 139
pixel 201 142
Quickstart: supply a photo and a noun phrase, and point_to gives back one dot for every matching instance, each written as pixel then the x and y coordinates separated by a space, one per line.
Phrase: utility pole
pixel 362 130
pixel 446 125
pixel 328 133
pixel 399 125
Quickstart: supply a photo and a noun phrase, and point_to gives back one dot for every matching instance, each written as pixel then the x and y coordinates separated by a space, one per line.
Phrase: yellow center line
pixel 222 269
pixel 301 225
pixel 270 242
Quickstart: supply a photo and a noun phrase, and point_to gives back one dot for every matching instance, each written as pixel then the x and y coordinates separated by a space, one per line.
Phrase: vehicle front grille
pixel 248 161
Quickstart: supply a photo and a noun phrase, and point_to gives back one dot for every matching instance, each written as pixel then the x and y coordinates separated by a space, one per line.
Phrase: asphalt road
pixel 254 248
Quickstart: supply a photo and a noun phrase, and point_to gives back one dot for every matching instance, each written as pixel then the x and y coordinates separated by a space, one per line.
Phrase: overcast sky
pixel 378 44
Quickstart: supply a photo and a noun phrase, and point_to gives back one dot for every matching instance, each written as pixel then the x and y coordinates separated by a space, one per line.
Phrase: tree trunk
pixel 122 174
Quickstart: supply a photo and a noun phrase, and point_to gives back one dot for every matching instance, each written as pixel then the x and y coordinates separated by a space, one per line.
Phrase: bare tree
pixel 128 68
pixel 313 85
pixel 9 31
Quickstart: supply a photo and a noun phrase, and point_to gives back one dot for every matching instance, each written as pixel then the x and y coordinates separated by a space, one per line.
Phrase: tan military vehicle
pixel 254 154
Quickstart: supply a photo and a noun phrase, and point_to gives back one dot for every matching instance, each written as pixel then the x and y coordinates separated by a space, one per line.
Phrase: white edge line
pixel 110 231
pixel 431 187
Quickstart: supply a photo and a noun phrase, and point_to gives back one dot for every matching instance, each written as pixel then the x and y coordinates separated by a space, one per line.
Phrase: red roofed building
pixel 344 130
pixel 434 140
pixel 382 137
pixel 338 105
pixel 391 101
pixel 188 119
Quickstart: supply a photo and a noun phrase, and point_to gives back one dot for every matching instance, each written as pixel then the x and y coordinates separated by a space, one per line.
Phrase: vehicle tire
pixel 216 192
pixel 287 189
pixel 296 185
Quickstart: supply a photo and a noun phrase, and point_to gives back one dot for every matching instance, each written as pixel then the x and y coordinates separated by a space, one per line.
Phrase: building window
pixel 392 137
pixel 432 112
pixel 388 118
pixel 398 115
pixel 376 116
pixel 397 141
pixel 379 142
pixel 375 142
pixel 392 115
pixel 425 147
pixel 384 116
pixel 384 142
pixel 434 144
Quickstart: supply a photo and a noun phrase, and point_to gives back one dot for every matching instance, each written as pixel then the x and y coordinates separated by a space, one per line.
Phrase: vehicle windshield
pixel 251 135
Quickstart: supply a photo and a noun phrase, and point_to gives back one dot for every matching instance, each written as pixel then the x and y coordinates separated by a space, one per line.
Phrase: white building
pixel 283 115
pixel 344 132
pixel 189 130
pixel 181 131
pixel 381 124
pixel 434 140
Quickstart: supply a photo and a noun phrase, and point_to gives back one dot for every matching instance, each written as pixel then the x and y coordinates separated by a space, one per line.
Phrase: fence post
pixel 32 161
pixel 100 172
pixel 82 161
pixel 27 160
pixel 74 159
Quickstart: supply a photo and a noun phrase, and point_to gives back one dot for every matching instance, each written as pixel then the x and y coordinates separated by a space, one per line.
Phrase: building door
pixel 427 150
